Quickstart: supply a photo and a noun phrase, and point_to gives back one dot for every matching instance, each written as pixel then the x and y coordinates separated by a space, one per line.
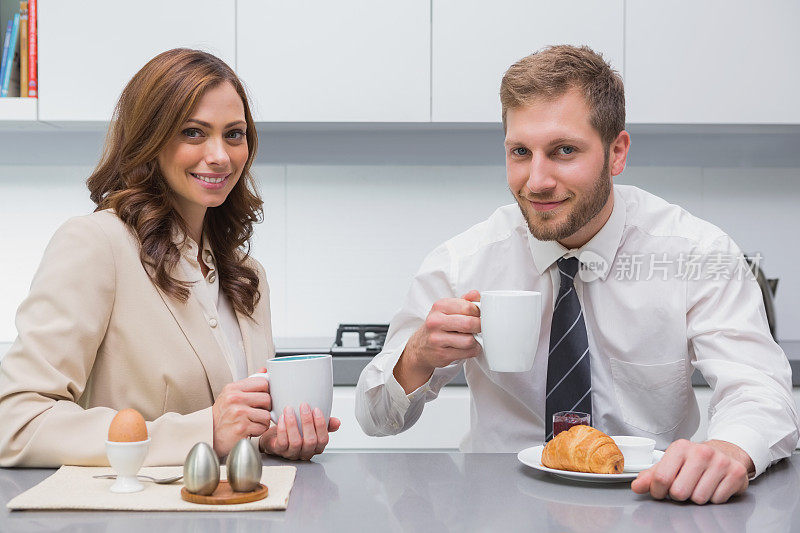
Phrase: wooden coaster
pixel 224 495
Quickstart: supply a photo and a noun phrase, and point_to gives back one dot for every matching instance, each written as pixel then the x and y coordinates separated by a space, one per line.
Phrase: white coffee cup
pixel 297 379
pixel 510 324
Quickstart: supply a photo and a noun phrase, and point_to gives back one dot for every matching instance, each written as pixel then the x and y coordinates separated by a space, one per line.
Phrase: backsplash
pixel 347 226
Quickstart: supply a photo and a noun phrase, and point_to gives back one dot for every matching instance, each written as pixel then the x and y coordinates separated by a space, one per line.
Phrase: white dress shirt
pixel 663 293
pixel 216 306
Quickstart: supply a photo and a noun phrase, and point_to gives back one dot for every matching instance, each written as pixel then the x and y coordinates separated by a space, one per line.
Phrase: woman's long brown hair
pixel 153 106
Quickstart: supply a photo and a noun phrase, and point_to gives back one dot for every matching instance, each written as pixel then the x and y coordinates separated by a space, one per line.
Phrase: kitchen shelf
pixel 21 115
pixel 23 111
pixel 432 143
pixel 14 109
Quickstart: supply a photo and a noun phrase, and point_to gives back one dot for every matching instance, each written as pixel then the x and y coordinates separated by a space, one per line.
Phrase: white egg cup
pixel 126 458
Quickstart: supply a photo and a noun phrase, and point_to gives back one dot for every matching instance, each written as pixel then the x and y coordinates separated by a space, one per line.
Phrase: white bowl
pixel 638 451
pixel 126 458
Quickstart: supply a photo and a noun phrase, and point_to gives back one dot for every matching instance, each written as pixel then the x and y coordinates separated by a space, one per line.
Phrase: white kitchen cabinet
pixel 89 50
pixel 720 61
pixel 344 61
pixel 475 41
pixel 443 423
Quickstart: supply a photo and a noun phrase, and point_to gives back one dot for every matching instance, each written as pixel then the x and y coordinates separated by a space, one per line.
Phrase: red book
pixel 33 80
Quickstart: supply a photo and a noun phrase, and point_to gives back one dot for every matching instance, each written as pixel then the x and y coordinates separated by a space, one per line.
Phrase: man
pixel 663 295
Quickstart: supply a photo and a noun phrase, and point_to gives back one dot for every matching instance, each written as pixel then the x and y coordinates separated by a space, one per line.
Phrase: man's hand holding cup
pixel 447 335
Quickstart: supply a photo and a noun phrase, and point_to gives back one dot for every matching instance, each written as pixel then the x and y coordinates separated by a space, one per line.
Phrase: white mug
pixel 296 379
pixel 510 324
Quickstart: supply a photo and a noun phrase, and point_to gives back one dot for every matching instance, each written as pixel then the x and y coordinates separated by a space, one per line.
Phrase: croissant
pixel 583 449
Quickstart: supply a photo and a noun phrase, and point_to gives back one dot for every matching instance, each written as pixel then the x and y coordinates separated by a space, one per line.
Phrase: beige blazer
pixel 95 336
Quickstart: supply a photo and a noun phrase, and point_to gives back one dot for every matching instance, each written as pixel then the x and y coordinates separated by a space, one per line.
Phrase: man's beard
pixel 585 210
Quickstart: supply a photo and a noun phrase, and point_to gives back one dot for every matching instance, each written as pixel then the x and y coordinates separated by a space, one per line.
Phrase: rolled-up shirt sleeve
pixel 381 404
pixel 751 404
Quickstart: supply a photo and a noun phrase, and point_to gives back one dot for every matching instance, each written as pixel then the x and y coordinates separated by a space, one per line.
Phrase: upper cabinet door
pixel 89 50
pixel 475 41
pixel 342 61
pixel 724 62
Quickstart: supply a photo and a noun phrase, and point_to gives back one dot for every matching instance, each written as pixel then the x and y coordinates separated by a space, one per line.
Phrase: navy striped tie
pixel 569 376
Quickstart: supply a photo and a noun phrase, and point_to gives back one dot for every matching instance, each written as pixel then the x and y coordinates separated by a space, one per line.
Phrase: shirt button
pixel 212 277
pixel 212 322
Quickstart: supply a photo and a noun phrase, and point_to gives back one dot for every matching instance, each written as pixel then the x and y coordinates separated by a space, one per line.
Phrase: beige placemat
pixel 73 487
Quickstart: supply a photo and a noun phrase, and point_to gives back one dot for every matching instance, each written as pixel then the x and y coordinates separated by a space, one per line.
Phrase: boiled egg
pixel 127 426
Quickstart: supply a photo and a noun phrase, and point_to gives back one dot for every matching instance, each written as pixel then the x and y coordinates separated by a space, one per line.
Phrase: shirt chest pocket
pixel 652 398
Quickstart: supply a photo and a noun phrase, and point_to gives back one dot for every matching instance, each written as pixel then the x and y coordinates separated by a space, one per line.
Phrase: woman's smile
pixel 211 180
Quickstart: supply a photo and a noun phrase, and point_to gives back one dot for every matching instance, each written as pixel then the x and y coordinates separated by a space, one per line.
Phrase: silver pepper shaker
pixel 201 470
pixel 244 467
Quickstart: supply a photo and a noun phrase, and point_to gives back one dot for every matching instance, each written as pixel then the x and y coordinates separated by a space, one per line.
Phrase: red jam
pixel 567 422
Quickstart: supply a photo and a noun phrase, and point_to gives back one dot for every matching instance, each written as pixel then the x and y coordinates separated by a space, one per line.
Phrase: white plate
pixel 533 457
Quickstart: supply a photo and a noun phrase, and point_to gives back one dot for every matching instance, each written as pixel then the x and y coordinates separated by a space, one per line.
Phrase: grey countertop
pixel 441 492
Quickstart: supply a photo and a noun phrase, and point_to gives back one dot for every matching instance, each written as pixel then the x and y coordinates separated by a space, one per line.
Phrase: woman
pixel 152 301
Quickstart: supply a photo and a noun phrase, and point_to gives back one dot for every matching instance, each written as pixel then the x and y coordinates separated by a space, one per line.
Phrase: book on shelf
pixel 13 88
pixel 23 49
pixel 33 80
pixel 9 56
pixel 18 55
pixel 6 42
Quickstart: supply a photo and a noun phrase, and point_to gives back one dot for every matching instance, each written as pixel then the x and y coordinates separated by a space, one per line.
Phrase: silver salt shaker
pixel 244 467
pixel 201 470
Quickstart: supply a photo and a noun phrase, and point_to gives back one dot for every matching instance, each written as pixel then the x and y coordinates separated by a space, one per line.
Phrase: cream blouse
pixel 216 306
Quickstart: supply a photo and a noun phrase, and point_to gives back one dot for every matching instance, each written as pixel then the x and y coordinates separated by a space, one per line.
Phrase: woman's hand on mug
pixel 241 410
pixel 285 440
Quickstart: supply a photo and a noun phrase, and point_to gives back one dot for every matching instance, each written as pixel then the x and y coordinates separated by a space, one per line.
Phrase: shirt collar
pixel 188 246
pixel 605 244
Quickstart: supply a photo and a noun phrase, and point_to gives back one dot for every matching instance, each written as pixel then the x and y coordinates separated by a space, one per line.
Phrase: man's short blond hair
pixel 551 72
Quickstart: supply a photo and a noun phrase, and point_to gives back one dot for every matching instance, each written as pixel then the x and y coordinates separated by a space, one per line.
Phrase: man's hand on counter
pixel 446 336
pixel 711 471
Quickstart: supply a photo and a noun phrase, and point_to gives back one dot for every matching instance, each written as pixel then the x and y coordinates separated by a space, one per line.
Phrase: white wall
pixel 350 215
